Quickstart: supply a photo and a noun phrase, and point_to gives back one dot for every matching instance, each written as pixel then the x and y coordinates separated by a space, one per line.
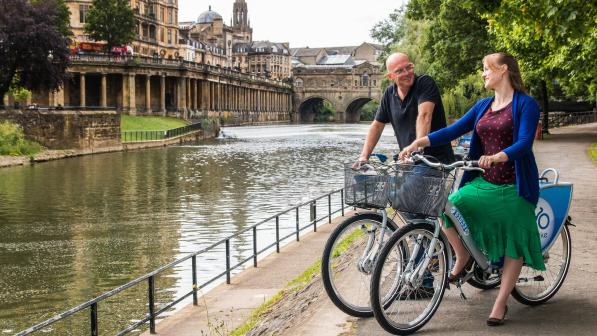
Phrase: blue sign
pixel 552 211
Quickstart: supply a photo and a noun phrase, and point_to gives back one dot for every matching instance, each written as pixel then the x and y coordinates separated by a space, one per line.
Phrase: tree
pixel 553 39
pixel 457 37
pixel 34 51
pixel 112 21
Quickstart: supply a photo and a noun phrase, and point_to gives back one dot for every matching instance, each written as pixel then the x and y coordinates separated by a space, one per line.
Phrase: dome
pixel 209 16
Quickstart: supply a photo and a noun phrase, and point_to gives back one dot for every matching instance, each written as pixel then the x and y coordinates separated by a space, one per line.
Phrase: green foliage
pixel 368 110
pixel 112 21
pixel 20 94
pixel 142 123
pixel 593 152
pixel 389 32
pixel 34 50
pixel 456 37
pixel 553 39
pixel 12 141
pixel 324 111
pixel 458 100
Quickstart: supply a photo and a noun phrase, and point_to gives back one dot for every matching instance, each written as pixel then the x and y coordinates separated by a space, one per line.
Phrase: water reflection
pixel 72 229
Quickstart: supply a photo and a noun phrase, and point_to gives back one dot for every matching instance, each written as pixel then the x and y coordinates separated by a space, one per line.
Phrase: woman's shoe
pixel 494 322
pixel 453 278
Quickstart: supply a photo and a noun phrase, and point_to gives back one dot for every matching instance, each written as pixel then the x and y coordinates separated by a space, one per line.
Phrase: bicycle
pixel 353 246
pixel 398 273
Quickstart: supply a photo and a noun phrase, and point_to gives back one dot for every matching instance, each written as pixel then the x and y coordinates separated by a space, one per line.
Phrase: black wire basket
pixel 366 188
pixel 419 189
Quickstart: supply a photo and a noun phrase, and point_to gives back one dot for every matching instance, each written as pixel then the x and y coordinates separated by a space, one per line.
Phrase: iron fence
pixel 152 313
pixel 559 119
pixel 135 136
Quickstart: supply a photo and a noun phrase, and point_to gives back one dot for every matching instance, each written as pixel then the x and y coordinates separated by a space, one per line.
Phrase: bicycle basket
pixel 419 189
pixel 365 190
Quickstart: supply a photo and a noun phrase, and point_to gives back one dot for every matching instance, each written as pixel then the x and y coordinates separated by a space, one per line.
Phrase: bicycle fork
pixel 367 260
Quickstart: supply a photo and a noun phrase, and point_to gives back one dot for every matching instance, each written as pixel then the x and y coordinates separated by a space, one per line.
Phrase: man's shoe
pixel 422 293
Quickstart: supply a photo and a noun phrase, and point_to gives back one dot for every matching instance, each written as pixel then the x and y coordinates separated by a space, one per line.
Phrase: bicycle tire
pixel 380 305
pixel 334 294
pixel 521 295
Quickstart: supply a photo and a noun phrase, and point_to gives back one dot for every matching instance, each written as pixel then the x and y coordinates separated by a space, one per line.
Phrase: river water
pixel 75 228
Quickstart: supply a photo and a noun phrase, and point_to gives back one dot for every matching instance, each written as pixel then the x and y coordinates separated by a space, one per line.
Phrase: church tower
pixel 240 15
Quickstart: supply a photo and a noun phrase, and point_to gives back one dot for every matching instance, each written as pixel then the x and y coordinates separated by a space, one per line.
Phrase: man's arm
pixel 373 135
pixel 424 116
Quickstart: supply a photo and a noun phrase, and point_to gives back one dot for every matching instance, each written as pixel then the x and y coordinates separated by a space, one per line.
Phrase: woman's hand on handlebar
pixel 406 152
pixel 487 161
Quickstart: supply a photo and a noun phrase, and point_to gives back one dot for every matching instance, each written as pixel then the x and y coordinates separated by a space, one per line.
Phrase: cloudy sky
pixel 313 23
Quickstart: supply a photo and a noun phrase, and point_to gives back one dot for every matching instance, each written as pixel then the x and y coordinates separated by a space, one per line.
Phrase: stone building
pixel 157 26
pixel 311 56
pixel 269 59
pixel 192 50
pixel 346 77
pixel 210 28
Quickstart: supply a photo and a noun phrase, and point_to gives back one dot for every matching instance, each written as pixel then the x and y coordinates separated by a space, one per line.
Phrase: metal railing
pixel 150 277
pixel 135 136
pixel 559 119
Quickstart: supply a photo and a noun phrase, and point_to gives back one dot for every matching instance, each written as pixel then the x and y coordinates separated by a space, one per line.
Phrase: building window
pixel 162 14
pixel 169 16
pixel 83 12
pixel 169 37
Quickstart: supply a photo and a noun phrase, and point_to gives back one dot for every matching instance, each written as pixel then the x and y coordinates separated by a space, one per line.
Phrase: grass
pixel 138 123
pixel 293 286
pixel 593 152
pixel 13 142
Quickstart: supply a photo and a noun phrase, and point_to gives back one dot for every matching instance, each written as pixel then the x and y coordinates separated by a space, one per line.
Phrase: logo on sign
pixel 545 221
pixel 460 220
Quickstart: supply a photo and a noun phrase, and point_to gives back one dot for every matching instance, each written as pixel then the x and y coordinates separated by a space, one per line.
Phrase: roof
pixel 269 47
pixel 336 60
pixel 208 16
pixel 305 52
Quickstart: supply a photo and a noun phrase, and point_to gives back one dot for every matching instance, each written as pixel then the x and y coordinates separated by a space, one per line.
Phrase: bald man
pixel 413 105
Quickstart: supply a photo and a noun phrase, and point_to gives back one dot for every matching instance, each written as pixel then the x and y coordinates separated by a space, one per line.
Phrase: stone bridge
pixel 346 88
pixel 157 86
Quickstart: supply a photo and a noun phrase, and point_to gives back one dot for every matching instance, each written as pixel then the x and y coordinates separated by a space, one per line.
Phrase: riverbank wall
pixel 68 134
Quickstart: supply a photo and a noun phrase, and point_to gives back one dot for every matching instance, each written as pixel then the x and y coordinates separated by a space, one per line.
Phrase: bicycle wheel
pixel 347 263
pixel 483 280
pixel 402 306
pixel 536 287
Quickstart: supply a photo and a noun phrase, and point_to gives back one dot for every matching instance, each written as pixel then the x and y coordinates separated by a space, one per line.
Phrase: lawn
pixel 138 123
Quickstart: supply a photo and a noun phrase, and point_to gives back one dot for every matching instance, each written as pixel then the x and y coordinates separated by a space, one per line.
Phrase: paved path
pixel 572 311
pixel 225 307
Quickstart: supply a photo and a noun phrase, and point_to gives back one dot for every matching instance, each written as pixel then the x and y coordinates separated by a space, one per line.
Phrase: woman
pixel 498 205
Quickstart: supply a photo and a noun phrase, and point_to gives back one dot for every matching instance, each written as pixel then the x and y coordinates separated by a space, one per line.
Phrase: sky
pixel 312 23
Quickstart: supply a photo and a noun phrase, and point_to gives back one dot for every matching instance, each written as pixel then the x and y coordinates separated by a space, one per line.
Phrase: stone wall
pixel 68 129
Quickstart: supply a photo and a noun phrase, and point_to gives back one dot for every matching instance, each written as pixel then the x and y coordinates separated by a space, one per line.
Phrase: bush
pixel 463 96
pixel 368 110
pixel 324 112
pixel 12 141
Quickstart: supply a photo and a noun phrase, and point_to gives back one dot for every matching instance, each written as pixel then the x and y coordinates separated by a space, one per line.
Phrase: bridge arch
pixel 353 109
pixel 310 107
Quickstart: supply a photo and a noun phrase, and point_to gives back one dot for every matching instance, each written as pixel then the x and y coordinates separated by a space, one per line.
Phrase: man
pixel 413 105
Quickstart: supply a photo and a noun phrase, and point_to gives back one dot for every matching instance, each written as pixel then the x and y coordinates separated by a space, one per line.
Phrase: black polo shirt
pixel 403 114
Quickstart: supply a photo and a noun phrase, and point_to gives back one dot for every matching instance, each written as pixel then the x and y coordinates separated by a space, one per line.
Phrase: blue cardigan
pixel 525 113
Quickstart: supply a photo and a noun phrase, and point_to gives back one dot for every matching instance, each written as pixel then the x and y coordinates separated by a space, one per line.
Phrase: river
pixel 75 228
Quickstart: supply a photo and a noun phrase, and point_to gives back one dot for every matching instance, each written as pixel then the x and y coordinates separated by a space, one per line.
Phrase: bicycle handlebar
pixel 464 164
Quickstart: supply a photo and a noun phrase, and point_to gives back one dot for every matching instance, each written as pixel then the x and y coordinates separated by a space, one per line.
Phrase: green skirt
pixel 501 222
